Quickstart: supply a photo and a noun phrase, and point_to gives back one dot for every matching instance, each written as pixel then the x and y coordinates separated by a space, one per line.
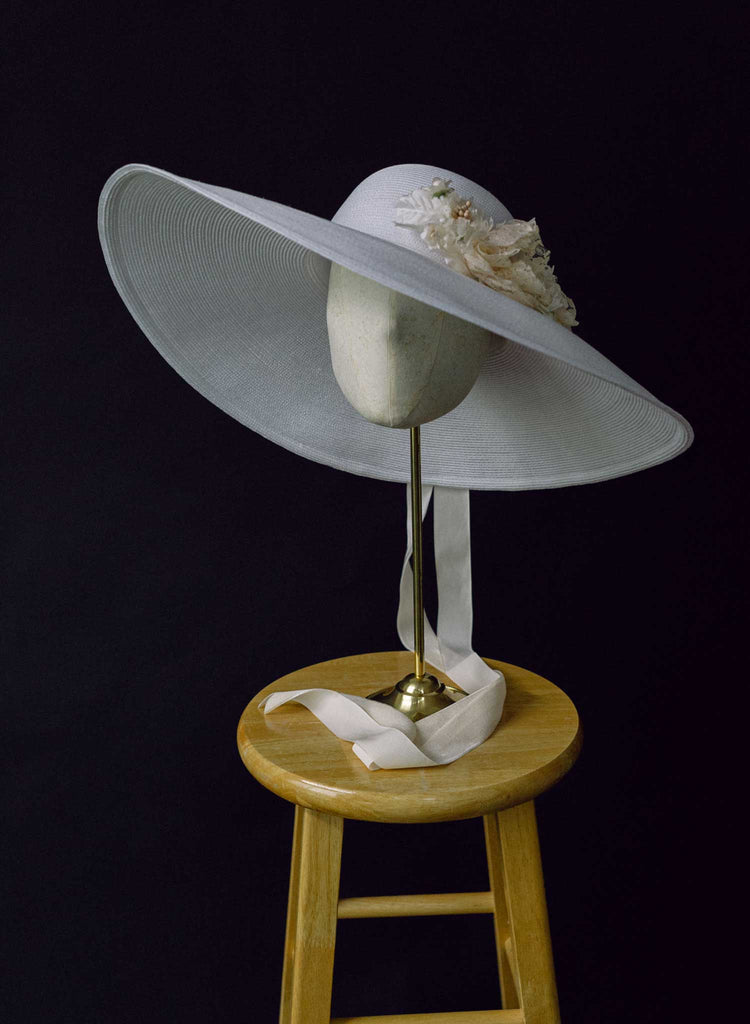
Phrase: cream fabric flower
pixel 507 257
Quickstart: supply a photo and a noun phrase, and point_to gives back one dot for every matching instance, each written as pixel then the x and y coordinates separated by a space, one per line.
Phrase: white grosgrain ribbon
pixel 384 737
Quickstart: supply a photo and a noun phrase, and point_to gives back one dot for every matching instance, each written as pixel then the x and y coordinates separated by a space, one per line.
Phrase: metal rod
pixel 416 532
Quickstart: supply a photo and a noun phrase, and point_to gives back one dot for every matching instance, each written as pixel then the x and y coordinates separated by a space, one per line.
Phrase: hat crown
pixel 371 207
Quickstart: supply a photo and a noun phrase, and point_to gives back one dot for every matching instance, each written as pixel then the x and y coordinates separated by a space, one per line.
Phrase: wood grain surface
pixel 291 753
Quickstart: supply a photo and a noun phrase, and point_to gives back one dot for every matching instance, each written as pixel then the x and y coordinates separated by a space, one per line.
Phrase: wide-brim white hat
pixel 232 291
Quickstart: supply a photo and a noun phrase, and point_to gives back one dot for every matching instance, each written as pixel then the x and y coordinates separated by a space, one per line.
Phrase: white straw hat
pixel 233 291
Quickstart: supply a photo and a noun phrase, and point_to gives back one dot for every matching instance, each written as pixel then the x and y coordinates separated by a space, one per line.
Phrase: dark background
pixel 163 563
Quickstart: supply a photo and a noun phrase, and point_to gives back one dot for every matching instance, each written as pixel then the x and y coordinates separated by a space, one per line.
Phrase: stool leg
pixel 291 921
pixel 527 913
pixel 500 913
pixel 311 918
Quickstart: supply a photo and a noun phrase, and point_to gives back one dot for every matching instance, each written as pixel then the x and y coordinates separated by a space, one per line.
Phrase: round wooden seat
pixel 291 753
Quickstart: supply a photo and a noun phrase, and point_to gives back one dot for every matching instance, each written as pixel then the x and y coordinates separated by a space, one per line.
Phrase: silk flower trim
pixel 508 257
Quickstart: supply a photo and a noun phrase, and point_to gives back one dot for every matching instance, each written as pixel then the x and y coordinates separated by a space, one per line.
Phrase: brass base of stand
pixel 418 697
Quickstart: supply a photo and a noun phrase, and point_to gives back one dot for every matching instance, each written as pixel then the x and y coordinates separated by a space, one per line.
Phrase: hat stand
pixel 418 694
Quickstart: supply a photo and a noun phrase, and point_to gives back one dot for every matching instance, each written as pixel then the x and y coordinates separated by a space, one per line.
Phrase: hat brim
pixel 231 289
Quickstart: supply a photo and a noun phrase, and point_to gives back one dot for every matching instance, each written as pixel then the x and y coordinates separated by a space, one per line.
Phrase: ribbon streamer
pixel 384 737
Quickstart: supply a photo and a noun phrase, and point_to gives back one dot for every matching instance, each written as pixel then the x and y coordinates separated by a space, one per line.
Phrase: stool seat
pixel 295 756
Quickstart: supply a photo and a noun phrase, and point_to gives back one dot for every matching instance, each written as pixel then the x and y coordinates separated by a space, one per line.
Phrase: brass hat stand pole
pixel 418 694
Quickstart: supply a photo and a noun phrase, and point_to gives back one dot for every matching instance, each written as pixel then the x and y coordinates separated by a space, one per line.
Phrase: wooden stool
pixel 295 756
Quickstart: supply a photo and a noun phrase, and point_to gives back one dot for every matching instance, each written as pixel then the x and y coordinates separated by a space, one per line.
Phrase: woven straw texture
pixel 231 289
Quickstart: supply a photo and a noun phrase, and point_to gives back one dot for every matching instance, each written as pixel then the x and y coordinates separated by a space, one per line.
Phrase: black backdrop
pixel 164 562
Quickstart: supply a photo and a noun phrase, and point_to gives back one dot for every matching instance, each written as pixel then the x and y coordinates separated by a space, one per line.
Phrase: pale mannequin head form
pixel 398 361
